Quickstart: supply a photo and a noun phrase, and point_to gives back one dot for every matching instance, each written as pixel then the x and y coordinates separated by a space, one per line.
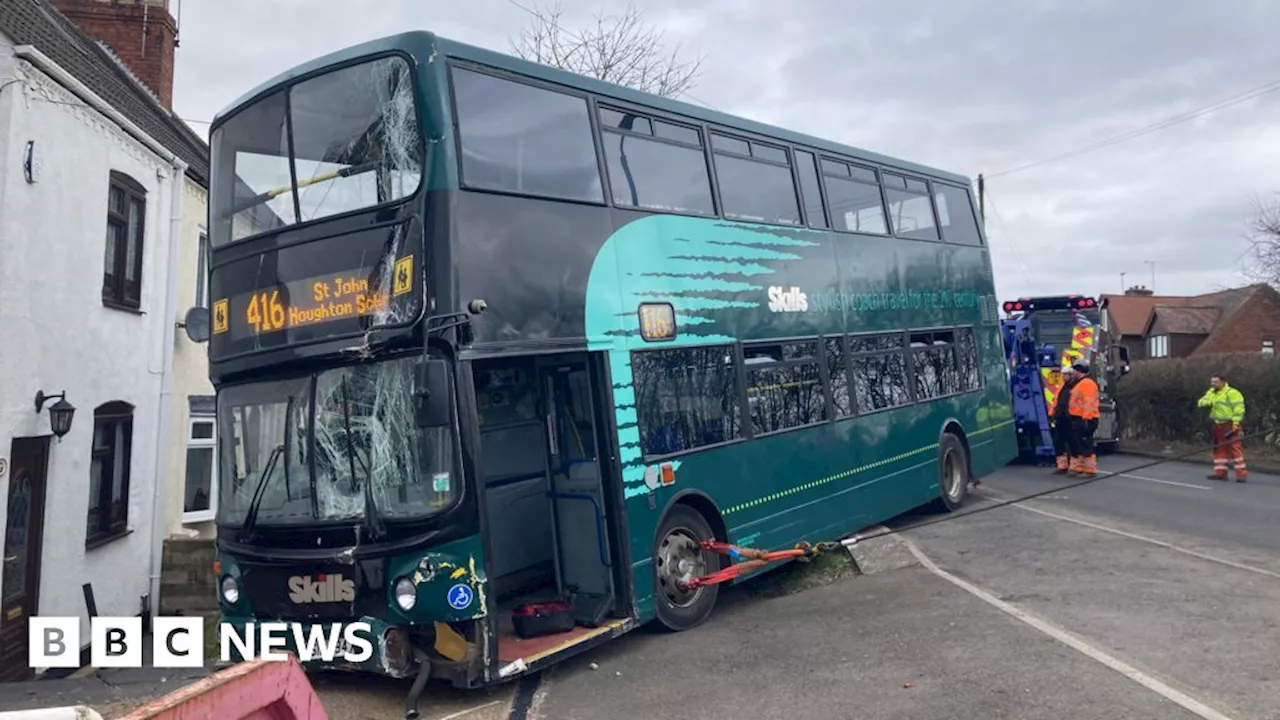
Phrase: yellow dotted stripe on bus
pixel 847 473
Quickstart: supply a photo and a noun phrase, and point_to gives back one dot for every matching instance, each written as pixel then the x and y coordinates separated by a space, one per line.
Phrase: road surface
pixel 1151 596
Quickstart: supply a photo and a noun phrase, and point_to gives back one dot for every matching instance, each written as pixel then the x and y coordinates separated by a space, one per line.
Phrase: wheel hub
pixel 953 477
pixel 680 559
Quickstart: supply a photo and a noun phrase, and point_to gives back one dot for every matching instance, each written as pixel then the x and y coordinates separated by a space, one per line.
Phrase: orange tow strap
pixel 754 559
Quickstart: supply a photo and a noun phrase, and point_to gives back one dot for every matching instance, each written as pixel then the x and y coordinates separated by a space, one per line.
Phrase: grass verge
pixel 797 577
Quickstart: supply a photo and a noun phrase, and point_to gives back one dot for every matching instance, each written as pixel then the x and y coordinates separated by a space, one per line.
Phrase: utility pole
pixel 982 197
pixel 1122 287
pixel 1152 263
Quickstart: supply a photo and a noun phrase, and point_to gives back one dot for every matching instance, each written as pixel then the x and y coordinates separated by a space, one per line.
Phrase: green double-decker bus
pixel 485 333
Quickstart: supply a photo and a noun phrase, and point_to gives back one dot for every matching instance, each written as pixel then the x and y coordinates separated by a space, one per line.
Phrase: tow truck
pixel 1042 336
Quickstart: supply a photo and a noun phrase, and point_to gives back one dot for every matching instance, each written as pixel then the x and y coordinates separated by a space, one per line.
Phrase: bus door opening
pixel 548 509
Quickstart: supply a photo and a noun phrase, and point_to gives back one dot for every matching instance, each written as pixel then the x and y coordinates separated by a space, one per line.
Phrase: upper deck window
pixel 755 181
pixel 910 210
pixel 853 192
pixel 344 140
pixel 523 139
pixel 655 164
pixel 955 214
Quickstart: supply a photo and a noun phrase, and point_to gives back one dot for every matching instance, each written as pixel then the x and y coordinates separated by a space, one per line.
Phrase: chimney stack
pixel 1139 290
pixel 141 32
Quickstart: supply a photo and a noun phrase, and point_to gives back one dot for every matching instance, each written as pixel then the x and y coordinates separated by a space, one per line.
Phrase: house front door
pixel 23 539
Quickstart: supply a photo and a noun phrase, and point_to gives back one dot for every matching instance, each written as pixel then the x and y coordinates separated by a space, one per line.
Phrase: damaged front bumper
pixel 391 652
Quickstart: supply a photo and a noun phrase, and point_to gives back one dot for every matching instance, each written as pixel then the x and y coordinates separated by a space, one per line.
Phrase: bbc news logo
pixel 179 642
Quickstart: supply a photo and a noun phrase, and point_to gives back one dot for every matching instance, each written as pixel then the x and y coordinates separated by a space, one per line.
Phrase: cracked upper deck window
pixel 344 140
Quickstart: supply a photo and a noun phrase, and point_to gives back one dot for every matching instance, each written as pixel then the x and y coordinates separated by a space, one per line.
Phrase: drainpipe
pixel 168 313
pixel 165 431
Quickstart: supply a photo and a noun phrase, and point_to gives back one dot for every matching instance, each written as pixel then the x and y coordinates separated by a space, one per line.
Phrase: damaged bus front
pixel 342 494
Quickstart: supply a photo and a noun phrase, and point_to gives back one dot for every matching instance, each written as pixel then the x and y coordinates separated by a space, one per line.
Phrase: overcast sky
pixel 978 86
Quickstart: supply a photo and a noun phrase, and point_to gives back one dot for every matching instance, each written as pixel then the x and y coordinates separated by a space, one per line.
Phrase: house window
pixel 1158 346
pixel 202 272
pixel 109 472
pixel 126 224
pixel 199 501
pixel 1268 347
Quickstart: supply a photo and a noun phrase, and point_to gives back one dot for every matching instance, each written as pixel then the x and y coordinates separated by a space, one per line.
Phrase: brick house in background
pixel 1240 320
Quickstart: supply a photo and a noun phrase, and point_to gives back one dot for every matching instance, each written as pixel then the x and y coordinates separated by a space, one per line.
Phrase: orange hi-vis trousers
pixel 1227 451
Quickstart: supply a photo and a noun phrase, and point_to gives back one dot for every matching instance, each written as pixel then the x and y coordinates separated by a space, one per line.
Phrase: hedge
pixel 1157 398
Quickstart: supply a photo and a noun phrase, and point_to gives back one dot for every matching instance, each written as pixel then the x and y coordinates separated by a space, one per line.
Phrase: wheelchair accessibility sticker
pixel 460 597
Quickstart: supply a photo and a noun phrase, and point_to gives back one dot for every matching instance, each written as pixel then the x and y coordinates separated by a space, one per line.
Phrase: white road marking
pixel 1165 482
pixel 1153 541
pixel 468 711
pixel 1169 693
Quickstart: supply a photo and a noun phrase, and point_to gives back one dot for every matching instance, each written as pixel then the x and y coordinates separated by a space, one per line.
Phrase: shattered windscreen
pixel 310 446
pixel 355 144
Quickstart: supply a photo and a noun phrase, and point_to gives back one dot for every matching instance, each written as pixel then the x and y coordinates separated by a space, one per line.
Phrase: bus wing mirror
pixel 433 406
pixel 1124 359
pixel 196 323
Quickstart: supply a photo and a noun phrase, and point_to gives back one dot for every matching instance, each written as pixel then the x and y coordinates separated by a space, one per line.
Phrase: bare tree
pixel 621 49
pixel 1264 235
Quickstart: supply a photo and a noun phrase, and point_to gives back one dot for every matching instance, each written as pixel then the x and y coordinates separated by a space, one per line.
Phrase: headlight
pixel 230 590
pixel 406 594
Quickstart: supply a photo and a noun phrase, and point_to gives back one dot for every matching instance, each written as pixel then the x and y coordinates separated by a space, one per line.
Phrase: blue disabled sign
pixel 460 597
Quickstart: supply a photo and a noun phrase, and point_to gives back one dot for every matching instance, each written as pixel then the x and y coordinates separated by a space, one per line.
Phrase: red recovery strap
pixel 755 559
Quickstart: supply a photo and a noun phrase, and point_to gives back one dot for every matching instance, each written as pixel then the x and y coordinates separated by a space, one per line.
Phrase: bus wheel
pixel 953 473
pixel 677 557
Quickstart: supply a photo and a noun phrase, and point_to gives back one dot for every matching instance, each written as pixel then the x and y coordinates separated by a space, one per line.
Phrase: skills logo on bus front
pixel 304 590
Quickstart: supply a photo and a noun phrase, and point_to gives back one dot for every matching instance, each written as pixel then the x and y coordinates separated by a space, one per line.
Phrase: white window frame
pixel 200 516
pixel 1268 347
pixel 1158 346
pixel 202 270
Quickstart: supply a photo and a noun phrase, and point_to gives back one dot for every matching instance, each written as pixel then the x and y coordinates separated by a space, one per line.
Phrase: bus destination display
pixel 310 301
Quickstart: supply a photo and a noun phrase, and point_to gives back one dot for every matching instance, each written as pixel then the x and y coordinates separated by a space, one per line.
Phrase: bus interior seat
pixel 518 509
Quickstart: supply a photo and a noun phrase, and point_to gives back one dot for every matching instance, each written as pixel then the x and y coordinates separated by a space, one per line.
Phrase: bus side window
pixel 755 181
pixel 523 139
pixel 853 194
pixel 655 165
pixel 955 214
pixel 910 207
pixel 686 398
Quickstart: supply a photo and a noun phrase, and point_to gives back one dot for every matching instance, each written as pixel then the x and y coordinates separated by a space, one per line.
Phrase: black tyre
pixel 678 557
pixel 953 474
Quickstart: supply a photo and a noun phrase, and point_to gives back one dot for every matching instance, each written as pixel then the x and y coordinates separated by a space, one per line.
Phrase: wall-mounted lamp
pixel 60 413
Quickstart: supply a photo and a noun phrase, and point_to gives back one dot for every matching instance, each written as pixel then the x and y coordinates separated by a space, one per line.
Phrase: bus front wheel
pixel 953 473
pixel 678 558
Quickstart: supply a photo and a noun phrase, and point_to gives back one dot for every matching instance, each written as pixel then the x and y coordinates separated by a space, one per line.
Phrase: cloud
pixel 980 86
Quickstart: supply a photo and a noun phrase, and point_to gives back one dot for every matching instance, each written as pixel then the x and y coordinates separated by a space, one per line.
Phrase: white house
pixel 101 206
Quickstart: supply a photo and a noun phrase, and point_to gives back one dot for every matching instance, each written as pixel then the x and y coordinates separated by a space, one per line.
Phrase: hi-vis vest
pixel 1083 402
pixel 1225 405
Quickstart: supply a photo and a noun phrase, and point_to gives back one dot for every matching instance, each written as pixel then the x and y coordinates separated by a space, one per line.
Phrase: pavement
pixel 110 691
pixel 1154 594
